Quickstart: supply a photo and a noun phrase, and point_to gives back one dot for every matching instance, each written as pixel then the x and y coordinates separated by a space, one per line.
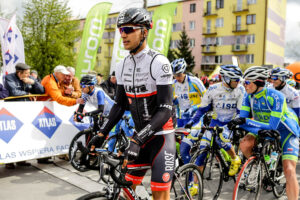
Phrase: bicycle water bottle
pixel 273 159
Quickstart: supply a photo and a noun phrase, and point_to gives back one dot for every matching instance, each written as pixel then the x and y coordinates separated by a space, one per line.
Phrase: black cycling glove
pixel 189 125
pixel 132 151
pixel 238 121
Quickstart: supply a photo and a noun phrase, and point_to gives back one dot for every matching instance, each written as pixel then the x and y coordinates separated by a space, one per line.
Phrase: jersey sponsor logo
pixel 129 75
pixel 226 105
pixel 165 68
pixel 47 122
pixel 261 117
pixel 166 76
pixel 136 89
pixel 9 125
pixel 169 161
pixel 127 80
pixel 166 177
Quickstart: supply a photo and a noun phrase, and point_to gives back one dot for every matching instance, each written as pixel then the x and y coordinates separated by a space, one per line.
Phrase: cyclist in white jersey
pixel 279 76
pixel 225 100
pixel 188 91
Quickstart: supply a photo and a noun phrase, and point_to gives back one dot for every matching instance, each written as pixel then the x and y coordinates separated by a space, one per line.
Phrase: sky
pixel 81 7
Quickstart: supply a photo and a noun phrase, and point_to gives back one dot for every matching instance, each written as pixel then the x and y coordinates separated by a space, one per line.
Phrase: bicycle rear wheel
pixel 187 183
pixel 279 179
pixel 248 183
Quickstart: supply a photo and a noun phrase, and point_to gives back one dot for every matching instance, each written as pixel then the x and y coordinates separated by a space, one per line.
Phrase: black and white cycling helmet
pixel 281 73
pixel 256 73
pixel 135 16
pixel 231 71
pixel 178 66
pixel 88 80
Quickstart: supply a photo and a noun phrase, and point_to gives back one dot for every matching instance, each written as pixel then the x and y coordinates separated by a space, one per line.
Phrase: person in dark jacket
pixel 3 92
pixel 109 86
pixel 21 83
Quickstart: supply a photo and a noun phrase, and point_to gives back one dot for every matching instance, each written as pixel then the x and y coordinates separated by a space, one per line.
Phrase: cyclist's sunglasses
pixel 274 78
pixel 129 29
pixel 246 82
pixel 235 79
pixel 84 86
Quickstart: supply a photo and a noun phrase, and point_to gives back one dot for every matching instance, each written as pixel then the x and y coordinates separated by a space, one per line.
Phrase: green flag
pixel 91 38
pixel 160 34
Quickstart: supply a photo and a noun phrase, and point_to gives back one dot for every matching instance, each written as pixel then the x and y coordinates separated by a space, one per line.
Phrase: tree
pixel 49 35
pixel 184 50
pixel 171 55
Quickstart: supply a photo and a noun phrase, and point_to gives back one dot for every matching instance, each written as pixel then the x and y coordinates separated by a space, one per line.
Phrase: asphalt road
pixel 60 181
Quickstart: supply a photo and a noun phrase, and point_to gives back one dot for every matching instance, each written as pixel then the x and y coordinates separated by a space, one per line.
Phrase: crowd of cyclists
pixel 152 89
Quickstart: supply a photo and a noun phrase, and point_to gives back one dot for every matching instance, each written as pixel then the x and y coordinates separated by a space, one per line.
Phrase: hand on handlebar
pixel 238 121
pixel 189 125
pixel 97 140
pixel 131 152
pixel 78 117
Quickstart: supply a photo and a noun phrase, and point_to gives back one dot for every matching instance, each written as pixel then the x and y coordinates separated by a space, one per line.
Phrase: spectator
pixel 35 75
pixel 3 92
pixel 99 79
pixel 52 82
pixel 109 86
pixel 70 86
pixel 21 83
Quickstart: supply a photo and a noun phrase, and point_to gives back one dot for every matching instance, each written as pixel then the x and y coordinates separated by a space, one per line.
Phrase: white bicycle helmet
pixel 179 66
pixel 256 73
pixel 283 74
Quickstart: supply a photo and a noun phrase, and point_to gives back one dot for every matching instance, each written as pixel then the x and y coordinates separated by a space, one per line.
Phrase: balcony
pixel 209 49
pixel 109 41
pixel 208 67
pixel 209 31
pixel 110 27
pixel 238 9
pixel 209 14
pixel 236 48
pixel 237 28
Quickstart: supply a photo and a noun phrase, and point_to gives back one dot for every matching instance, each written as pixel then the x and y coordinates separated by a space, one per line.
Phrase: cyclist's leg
pixel 185 147
pixel 290 150
pixel 247 144
pixel 163 165
pixel 205 141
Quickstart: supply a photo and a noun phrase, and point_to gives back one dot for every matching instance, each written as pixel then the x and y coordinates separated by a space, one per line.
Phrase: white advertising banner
pixel 30 130
pixel 119 53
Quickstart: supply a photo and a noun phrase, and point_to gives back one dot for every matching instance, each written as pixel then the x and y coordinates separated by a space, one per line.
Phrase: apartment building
pixel 252 30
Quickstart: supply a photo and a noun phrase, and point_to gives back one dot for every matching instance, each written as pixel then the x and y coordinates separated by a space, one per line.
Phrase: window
pixel 99 49
pixel 251 1
pixel 192 25
pixel 220 4
pixel 192 43
pixel 192 7
pixel 151 13
pixel 208 8
pixel 175 11
pixel 220 22
pixel 250 39
pixel 99 63
pixel 174 28
pixel 251 19
pixel 219 41
pixel 238 23
pixel 207 41
pixel 218 59
pixel 206 59
pixel 173 44
pixel 239 5
pixel 250 58
pixel 208 26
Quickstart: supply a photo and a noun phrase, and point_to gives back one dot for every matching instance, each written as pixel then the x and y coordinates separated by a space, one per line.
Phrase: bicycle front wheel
pixel 279 179
pixel 187 183
pixel 248 183
pixel 93 195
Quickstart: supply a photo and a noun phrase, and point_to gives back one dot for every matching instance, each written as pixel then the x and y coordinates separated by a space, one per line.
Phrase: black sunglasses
pixel 129 29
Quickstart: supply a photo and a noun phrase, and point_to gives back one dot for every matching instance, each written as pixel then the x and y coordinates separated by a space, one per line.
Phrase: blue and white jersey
pixel 224 102
pixel 99 97
pixel 292 98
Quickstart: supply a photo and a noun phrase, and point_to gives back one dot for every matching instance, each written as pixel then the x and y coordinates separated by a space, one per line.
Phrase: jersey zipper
pixel 135 99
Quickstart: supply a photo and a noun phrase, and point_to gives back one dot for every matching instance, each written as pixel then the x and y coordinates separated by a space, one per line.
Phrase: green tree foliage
pixel 49 35
pixel 184 51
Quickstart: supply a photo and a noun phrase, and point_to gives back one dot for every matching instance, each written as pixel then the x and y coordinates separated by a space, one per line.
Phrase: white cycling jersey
pixel 224 101
pixel 98 97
